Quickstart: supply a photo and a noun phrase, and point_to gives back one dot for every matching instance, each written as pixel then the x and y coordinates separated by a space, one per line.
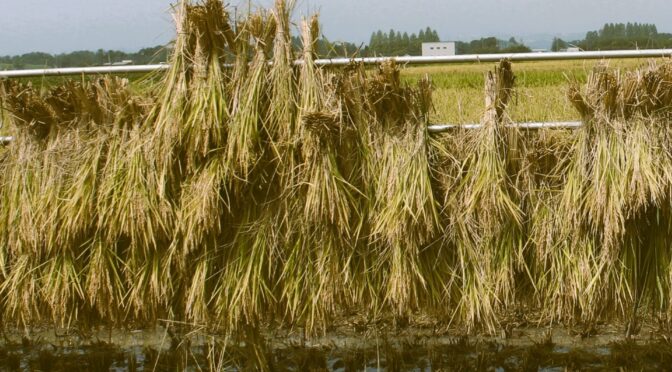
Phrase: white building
pixel 443 48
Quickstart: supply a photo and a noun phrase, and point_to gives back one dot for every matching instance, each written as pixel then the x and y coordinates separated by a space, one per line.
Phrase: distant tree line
pixel 396 43
pixel 328 49
pixel 85 58
pixel 392 43
pixel 490 45
pixel 619 36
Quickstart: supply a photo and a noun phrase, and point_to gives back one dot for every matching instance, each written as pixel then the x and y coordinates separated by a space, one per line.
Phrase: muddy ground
pixel 174 348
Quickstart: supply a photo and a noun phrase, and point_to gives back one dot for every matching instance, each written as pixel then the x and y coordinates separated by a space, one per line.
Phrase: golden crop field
pixel 540 94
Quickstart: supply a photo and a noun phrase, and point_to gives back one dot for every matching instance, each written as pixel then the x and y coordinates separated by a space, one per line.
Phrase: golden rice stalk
pixel 404 215
pixel 249 104
pixel 131 210
pixel 488 221
pixel 322 200
pixel 328 195
pixel 320 243
pixel 149 289
pixel 281 124
pixel 193 102
pixel 204 207
pixel 104 289
pixel 203 204
pixel 61 192
pixel 245 289
pixel 487 189
pixel 350 96
pixel 128 202
pixel 605 159
pixel 61 286
pixel 312 281
pixel 77 214
pixel 282 120
pixel 615 176
pixel 200 280
pixel 21 233
pixel 311 79
pixel 60 240
pixel 21 292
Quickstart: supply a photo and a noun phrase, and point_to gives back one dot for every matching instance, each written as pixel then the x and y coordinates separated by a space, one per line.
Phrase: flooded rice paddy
pixel 169 349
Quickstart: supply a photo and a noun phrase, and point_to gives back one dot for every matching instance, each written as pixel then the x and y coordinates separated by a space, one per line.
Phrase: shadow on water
pixel 458 354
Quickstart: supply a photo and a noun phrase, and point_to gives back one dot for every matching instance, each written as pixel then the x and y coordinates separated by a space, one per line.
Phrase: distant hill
pixel 83 58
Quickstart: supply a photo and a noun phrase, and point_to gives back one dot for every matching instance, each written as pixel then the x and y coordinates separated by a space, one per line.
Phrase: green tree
pixel 429 35
pixel 558 44
pixel 374 42
pixel 624 36
pixel 415 47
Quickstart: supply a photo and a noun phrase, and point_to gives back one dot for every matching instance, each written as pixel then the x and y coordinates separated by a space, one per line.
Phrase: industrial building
pixel 442 48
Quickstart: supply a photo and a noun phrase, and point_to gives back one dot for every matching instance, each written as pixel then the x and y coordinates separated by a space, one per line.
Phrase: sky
pixel 128 25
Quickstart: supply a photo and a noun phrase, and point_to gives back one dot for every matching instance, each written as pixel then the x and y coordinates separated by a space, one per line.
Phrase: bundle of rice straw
pixel 602 253
pixel 50 196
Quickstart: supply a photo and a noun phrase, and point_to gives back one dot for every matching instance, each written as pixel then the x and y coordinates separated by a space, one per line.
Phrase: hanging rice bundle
pixel 181 160
pixel 32 119
pixel 616 183
pixel 404 212
pixel 204 210
pixel 133 216
pixel 193 100
pixel 65 132
pixel 321 240
pixel 483 206
pixel 281 124
pixel 319 199
pixel 328 196
pixel 205 202
pixel 248 290
pixel 352 105
pixel 250 84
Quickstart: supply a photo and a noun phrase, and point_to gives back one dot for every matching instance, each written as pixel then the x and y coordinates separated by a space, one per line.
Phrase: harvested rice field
pixel 236 214
pixel 541 88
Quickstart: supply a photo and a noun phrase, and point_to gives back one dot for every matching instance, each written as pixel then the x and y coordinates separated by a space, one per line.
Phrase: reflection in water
pixel 459 354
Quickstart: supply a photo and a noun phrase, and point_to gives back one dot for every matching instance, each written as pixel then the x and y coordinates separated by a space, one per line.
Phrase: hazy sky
pixel 68 25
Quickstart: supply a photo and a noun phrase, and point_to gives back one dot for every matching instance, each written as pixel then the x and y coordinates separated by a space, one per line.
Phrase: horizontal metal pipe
pixel 83 71
pixel 440 128
pixel 551 56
